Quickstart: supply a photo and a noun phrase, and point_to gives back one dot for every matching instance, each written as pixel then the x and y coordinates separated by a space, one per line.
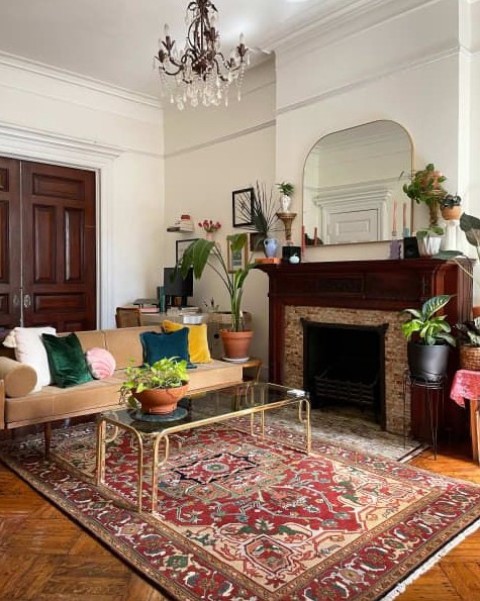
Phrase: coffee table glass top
pixel 241 399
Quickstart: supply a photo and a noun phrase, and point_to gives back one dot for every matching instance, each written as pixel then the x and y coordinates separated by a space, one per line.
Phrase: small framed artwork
pixel 256 242
pixel 242 207
pixel 182 246
pixel 237 259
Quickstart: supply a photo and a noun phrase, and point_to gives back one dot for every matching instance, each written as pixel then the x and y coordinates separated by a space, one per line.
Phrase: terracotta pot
pixel 449 213
pixel 236 344
pixel 476 311
pixel 160 400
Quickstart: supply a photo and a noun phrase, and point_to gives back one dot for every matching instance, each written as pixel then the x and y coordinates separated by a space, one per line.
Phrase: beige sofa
pixel 53 403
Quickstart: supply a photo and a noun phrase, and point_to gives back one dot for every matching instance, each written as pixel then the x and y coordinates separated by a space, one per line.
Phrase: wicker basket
pixel 470 357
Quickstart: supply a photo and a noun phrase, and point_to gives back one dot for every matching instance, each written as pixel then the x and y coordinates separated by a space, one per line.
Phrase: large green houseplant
pixel 428 335
pixel 157 387
pixel 205 252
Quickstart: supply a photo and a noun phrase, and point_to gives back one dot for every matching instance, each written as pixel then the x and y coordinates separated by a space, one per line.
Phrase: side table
pixel 466 385
pixel 433 395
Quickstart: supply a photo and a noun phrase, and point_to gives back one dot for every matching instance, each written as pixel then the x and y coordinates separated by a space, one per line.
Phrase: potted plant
pixel 426 186
pixel 260 215
pixel 286 188
pixel 201 253
pixel 450 206
pixel 468 335
pixel 157 387
pixel 428 336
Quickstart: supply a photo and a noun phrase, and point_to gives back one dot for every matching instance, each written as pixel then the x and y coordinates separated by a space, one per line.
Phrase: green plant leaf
pixel 471 226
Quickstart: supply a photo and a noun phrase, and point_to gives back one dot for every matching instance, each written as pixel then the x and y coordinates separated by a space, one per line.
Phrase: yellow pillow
pixel 197 340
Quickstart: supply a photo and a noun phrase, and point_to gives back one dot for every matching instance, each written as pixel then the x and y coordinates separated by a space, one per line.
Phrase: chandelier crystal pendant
pixel 200 74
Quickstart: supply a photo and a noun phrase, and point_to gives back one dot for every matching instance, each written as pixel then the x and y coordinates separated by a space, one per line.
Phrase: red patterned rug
pixel 245 519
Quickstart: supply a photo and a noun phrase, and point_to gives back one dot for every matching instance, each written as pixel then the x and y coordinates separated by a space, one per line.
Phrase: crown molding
pixel 323 25
pixel 73 79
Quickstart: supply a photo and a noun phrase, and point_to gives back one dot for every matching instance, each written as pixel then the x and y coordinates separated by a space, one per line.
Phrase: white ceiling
pixel 114 41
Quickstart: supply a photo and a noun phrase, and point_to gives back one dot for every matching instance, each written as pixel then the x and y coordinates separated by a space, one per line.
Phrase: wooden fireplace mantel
pixel 387 285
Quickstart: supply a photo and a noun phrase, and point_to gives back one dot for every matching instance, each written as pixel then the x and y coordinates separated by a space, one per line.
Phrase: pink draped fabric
pixel 466 385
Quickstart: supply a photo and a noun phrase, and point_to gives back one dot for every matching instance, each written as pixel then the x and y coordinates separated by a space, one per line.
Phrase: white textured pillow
pixel 29 349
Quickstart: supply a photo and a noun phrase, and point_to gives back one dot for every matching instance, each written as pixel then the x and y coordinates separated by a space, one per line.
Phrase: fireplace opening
pixel 344 365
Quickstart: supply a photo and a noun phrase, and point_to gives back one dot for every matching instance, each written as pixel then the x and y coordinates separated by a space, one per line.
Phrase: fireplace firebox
pixel 344 364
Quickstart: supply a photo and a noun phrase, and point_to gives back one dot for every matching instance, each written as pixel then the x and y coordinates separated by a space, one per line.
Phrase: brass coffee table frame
pixel 112 418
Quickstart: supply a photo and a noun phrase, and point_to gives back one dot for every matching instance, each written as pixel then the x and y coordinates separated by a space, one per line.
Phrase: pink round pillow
pixel 101 363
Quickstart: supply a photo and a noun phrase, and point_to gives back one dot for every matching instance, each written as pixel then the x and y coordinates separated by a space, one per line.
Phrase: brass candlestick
pixel 287 219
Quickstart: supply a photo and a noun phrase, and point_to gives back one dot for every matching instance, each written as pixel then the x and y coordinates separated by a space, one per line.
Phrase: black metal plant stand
pixel 433 394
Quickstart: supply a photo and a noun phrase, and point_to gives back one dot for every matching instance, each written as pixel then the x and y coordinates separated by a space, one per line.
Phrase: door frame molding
pixel 45 147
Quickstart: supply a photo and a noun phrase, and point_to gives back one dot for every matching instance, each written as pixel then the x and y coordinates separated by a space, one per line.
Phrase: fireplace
pixel 345 365
pixel 363 294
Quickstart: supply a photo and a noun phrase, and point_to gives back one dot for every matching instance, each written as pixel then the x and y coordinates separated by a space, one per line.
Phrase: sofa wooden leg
pixel 47 435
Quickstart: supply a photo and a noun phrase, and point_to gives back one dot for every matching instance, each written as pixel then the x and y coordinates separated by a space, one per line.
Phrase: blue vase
pixel 271 247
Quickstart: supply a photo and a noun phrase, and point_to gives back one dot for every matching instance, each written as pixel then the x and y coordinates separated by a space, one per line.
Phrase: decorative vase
pixel 449 213
pixel 285 202
pixel 236 344
pixel 160 400
pixel 271 247
pixel 209 236
pixel 429 245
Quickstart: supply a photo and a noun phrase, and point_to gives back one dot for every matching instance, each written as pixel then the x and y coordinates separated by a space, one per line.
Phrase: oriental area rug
pixel 245 518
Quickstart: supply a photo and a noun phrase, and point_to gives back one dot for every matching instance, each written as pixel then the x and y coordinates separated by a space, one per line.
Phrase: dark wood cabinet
pixel 47 246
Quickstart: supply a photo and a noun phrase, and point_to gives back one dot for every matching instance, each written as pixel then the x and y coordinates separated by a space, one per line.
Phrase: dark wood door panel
pixel 59 217
pixel 10 262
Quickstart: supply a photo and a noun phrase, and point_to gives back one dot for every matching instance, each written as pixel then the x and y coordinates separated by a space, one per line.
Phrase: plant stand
pixel 287 219
pixel 433 395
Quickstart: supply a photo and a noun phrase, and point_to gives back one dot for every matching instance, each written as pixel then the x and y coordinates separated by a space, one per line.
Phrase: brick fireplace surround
pixel 362 293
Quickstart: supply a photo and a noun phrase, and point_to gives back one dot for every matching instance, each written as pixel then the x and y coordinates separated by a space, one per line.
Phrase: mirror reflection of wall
pixel 352 185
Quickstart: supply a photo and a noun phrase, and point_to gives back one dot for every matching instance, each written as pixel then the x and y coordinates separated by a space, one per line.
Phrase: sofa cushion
pixel 101 362
pixel 29 349
pixel 158 346
pixel 197 340
pixel 67 360
pixel 19 378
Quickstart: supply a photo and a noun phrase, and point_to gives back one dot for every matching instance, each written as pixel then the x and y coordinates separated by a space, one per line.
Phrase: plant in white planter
pixel 286 188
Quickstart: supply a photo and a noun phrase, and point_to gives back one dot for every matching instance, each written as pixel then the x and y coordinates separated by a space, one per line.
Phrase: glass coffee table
pixel 252 399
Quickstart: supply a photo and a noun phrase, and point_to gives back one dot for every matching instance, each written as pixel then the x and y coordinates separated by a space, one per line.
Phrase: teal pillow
pixel 66 360
pixel 158 345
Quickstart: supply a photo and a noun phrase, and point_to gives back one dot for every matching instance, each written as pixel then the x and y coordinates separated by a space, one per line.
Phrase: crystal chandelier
pixel 201 73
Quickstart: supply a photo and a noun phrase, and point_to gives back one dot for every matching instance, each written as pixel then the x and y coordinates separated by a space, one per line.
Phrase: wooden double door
pixel 47 246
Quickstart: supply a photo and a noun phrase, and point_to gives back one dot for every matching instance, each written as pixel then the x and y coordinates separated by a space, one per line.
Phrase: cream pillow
pixel 29 349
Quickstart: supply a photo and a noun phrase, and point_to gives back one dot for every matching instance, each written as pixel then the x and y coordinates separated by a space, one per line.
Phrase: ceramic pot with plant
pixel 201 253
pixel 286 188
pixel 260 216
pixel 156 388
pixel 450 207
pixel 429 336
pixel 426 187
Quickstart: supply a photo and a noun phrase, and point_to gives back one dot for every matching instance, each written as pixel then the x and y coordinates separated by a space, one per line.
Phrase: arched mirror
pixel 352 185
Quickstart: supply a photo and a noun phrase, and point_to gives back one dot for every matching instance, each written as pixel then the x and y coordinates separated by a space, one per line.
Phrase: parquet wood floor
pixel 44 556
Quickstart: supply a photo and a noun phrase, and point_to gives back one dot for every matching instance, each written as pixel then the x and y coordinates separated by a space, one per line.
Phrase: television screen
pixel 178 286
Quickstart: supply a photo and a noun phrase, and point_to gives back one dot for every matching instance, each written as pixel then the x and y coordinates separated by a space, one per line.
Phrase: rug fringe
pixel 427 565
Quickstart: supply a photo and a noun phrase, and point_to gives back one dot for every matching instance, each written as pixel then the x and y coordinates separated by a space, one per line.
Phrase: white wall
pixel 54 117
pixel 208 154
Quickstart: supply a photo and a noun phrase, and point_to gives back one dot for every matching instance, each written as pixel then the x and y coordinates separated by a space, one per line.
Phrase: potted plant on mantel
pixel 158 387
pixel 428 336
pixel 426 187
pixel 260 215
pixel 201 253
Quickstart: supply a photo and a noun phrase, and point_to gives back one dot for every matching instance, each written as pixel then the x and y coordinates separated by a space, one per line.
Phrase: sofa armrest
pixel 19 379
pixel 2 404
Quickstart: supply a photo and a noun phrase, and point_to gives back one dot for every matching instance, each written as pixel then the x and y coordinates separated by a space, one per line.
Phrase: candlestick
pixel 315 237
pixel 404 216
pixel 394 222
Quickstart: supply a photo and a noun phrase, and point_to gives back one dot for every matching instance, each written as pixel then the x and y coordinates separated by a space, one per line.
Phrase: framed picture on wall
pixel 256 242
pixel 182 246
pixel 237 259
pixel 242 207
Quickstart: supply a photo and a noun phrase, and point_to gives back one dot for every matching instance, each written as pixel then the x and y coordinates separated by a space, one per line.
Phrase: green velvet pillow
pixel 66 360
